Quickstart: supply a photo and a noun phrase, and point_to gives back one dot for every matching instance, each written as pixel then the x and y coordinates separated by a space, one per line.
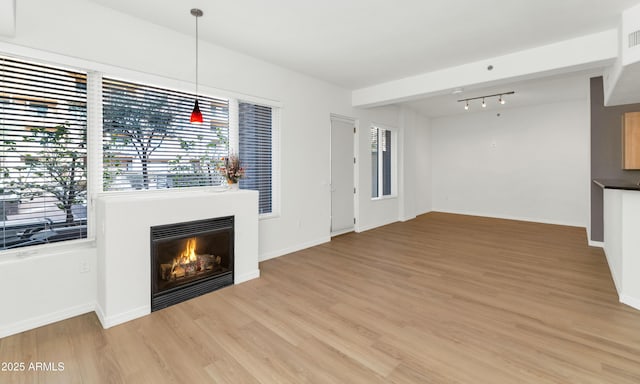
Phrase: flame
pixel 188 255
pixel 189 252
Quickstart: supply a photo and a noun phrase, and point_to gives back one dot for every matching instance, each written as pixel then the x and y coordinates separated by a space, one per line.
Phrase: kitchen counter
pixel 617 184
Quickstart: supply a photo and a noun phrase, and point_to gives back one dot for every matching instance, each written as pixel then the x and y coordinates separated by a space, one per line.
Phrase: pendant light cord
pixel 196 57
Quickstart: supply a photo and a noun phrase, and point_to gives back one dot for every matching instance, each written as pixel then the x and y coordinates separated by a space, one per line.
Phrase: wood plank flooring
pixel 440 299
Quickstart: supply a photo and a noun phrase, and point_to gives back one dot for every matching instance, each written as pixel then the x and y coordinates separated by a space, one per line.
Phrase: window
pixel 43 128
pixel 382 162
pixel 148 142
pixel 255 142
pixel 146 139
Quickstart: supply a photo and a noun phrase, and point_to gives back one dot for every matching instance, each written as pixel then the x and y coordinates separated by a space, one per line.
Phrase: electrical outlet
pixel 84 267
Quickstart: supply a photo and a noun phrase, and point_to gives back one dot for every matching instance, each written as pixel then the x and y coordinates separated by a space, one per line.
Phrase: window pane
pixel 43 127
pixel 149 143
pixel 386 162
pixel 256 151
pixel 374 161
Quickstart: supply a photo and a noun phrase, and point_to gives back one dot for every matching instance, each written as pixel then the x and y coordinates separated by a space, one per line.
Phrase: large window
pixel 255 136
pixel 148 142
pixel 146 139
pixel 43 128
pixel 382 162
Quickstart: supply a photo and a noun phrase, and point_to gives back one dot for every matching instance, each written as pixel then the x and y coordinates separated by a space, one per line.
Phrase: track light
pixel 500 97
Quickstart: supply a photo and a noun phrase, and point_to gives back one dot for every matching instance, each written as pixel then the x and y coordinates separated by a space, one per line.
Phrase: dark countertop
pixel 617 184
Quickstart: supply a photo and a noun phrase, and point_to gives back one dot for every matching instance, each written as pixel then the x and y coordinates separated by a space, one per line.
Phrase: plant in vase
pixel 231 169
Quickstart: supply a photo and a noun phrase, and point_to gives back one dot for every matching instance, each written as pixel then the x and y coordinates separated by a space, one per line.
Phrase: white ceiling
pixel 358 43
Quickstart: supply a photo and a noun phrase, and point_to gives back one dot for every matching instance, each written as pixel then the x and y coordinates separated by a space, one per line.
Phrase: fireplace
pixel 190 259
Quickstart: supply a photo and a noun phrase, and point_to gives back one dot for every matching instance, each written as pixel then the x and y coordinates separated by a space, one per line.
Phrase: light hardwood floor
pixel 440 299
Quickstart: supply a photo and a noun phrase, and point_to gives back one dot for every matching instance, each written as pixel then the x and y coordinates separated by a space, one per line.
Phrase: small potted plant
pixel 232 170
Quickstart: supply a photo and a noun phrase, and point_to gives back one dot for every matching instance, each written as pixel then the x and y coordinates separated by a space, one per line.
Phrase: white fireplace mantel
pixel 123 242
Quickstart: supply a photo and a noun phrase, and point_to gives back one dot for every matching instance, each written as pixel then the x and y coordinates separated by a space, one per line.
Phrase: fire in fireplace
pixel 189 263
pixel 190 259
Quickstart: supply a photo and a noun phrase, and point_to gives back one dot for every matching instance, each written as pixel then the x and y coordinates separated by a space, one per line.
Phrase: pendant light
pixel 196 115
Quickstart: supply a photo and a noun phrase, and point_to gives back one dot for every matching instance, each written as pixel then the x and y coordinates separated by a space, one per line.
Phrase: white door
pixel 342 166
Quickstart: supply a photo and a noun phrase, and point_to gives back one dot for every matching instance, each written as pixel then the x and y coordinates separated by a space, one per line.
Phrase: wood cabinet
pixel 631 140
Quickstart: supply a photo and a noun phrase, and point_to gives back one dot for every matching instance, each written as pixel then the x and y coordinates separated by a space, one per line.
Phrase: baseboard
pixel 599 244
pixel 508 217
pixel 295 248
pixel 420 213
pixel 100 314
pixel 239 279
pixel 39 321
pixel 111 321
pixel 342 231
pixel 407 218
pixel 630 301
pixel 373 226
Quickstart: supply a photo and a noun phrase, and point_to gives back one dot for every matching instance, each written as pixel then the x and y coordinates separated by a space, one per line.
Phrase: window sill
pixel 46 249
pixel 389 197
pixel 268 216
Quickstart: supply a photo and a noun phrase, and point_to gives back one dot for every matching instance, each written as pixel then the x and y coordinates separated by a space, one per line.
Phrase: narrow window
pixel 255 136
pixel 382 162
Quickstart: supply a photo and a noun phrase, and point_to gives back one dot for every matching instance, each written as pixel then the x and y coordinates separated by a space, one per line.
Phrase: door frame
pixel 356 135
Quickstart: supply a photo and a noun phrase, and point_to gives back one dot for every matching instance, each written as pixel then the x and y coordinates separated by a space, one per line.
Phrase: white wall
pixel 39 289
pixel 415 165
pixel 621 242
pixel 529 164
pixel 412 175
pixel 612 220
pixel 423 168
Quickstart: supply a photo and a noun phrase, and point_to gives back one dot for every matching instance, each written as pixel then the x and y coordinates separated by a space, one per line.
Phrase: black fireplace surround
pixel 190 259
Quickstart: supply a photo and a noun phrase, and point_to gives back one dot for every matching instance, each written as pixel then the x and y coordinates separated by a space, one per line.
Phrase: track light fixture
pixel 500 97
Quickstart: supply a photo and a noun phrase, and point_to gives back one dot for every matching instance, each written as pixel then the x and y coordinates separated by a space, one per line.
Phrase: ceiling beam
pixel 597 50
pixel 621 79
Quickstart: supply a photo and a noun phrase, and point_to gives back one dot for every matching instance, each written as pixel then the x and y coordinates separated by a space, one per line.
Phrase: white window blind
pixel 255 134
pixel 43 127
pixel 149 143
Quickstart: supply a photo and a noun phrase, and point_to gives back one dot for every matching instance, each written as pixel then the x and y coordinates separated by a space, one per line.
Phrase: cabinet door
pixel 631 141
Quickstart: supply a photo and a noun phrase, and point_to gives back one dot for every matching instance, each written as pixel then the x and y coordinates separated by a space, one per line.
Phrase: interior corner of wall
pixel 610 78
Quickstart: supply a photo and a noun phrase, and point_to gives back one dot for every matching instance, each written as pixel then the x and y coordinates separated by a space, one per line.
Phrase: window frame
pixel 36 116
pixel 381 128
pixel 169 153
